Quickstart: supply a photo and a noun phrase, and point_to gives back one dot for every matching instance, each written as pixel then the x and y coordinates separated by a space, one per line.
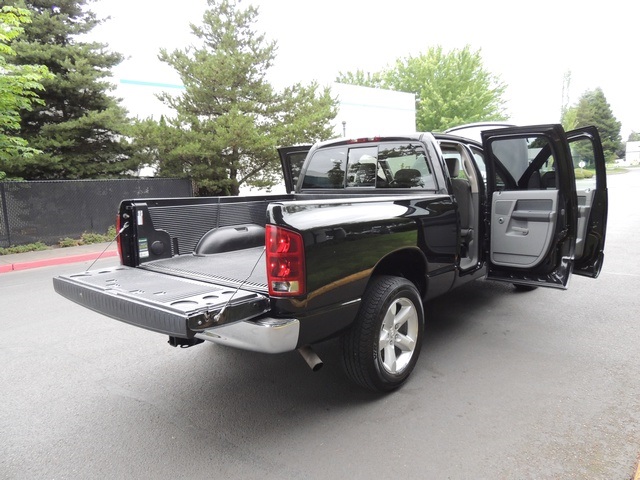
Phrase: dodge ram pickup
pixel 369 231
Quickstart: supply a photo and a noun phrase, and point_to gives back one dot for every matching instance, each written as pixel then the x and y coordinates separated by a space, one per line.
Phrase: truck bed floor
pixel 241 267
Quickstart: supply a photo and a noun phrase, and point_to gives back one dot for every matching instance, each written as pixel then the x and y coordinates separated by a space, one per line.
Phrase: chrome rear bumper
pixel 266 335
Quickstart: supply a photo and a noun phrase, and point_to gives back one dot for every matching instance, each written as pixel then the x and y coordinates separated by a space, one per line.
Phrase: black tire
pixel 382 367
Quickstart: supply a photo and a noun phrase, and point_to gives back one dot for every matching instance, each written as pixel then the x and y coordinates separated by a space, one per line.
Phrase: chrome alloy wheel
pixel 398 335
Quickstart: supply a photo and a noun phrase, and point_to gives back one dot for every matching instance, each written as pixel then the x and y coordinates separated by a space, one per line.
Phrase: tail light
pixel 119 237
pixel 285 262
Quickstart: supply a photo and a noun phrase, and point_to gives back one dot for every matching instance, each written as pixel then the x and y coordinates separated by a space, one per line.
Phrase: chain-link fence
pixel 47 211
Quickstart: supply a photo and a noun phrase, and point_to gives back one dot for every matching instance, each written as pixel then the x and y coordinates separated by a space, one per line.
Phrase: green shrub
pixel 32 247
pixel 582 173
pixel 86 239
pixel 69 242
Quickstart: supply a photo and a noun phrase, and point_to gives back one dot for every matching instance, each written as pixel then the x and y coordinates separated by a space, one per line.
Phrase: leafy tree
pixel 593 109
pixel 230 120
pixel 18 86
pixel 79 128
pixel 362 78
pixel 451 88
pixel 634 137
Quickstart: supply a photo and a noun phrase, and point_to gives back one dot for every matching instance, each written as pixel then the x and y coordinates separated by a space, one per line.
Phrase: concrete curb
pixel 12 267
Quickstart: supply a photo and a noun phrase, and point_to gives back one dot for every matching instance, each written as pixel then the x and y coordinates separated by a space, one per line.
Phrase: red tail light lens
pixel 285 262
pixel 118 237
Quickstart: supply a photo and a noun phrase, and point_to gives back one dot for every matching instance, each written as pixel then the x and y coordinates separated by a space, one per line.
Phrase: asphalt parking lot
pixel 535 385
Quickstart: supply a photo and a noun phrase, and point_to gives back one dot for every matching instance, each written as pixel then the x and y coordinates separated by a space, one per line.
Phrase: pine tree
pixel 230 120
pixel 80 128
pixel 593 109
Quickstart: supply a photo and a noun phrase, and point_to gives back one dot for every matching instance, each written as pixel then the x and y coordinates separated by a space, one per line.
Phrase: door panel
pixel 522 229
pixel 585 200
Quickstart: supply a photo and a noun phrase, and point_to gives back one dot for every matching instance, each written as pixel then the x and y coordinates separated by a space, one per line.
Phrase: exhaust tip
pixel 312 359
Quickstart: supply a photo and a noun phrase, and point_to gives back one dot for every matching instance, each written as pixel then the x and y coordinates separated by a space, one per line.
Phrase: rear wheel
pixel 383 345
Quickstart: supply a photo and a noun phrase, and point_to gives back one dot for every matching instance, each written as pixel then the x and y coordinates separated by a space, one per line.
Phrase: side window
pixel 583 163
pixel 326 169
pixel 404 166
pixel 524 164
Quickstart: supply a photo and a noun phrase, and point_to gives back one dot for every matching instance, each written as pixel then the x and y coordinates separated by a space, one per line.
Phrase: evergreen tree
pixel 451 88
pixel 80 128
pixel 593 109
pixel 18 87
pixel 230 120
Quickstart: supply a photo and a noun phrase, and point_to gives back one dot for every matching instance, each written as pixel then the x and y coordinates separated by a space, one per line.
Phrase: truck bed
pixel 241 267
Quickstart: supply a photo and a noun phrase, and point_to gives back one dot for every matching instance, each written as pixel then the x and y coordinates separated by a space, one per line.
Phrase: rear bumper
pixel 266 335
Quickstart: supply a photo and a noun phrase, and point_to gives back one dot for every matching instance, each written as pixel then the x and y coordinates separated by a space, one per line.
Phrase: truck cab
pixel 523 218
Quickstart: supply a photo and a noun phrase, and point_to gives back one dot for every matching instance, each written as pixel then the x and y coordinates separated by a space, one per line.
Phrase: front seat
pixel 407 177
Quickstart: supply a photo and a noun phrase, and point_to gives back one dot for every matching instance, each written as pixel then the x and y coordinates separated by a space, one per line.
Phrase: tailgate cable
pixel 126 224
pixel 219 315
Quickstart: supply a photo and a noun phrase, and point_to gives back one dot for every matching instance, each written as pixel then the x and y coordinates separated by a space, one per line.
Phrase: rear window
pixel 389 165
pixel 405 166
pixel 326 169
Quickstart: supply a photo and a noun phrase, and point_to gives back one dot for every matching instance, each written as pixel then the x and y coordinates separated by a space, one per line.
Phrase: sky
pixel 530 49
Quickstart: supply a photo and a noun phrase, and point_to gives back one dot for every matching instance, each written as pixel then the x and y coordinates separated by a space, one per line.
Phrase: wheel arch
pixel 408 263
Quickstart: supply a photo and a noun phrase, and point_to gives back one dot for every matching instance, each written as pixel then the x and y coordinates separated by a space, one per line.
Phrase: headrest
pixel 453 165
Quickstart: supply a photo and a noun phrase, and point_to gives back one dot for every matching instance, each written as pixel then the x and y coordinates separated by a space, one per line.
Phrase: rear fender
pixel 409 263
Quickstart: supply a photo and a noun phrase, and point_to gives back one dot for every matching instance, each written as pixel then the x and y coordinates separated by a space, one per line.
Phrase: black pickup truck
pixel 370 230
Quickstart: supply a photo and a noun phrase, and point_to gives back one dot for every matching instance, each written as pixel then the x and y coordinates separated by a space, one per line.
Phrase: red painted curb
pixel 56 261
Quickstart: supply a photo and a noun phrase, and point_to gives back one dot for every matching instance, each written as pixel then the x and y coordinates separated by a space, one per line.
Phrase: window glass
pixel 326 169
pixel 404 166
pixel 524 163
pixel 296 160
pixel 478 156
pixel 583 163
pixel 362 167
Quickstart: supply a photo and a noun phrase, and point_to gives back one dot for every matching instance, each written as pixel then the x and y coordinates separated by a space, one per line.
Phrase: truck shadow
pixel 263 395
pixel 452 311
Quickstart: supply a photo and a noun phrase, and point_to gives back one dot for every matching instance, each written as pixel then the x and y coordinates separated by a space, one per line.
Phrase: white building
pixel 632 155
pixel 362 111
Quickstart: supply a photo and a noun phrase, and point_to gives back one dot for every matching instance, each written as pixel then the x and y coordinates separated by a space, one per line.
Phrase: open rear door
pixel 534 207
pixel 292 159
pixel 591 188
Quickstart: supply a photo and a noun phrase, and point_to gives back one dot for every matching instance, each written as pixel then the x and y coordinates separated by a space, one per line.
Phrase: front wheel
pixel 382 346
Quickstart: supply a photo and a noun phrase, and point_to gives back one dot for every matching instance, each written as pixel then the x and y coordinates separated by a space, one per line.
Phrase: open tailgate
pixel 175 306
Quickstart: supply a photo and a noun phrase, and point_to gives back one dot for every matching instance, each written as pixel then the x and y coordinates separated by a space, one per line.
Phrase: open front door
pixel 591 188
pixel 534 207
pixel 292 159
